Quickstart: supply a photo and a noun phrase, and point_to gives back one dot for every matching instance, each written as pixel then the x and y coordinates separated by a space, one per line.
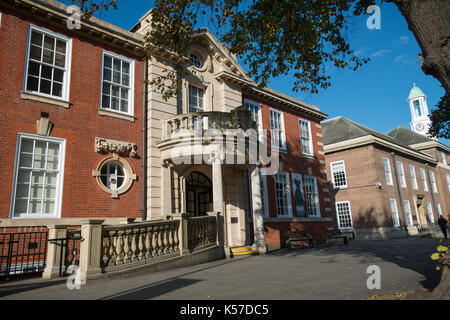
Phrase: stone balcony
pixel 204 133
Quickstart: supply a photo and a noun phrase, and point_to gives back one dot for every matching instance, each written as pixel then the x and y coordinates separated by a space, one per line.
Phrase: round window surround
pixel 199 60
pixel 114 175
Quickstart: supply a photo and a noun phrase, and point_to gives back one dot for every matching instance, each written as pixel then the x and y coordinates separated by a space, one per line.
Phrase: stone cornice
pixel 429 145
pixel 271 95
pixel 54 12
pixel 369 139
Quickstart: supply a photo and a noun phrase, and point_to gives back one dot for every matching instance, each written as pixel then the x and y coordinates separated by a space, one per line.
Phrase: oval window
pixel 195 60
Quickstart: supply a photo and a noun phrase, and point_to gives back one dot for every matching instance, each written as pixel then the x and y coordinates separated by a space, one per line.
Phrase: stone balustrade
pixel 98 248
pixel 190 123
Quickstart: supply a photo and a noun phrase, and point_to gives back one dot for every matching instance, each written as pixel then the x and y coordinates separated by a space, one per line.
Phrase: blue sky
pixel 374 95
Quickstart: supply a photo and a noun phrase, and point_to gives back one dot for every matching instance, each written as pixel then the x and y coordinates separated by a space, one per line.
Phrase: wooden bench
pixel 295 236
pixel 335 234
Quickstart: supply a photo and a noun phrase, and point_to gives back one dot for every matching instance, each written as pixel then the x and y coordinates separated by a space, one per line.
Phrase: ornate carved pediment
pixel 125 149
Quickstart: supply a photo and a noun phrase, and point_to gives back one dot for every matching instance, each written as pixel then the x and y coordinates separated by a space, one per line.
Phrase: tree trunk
pixel 429 21
pixel 442 291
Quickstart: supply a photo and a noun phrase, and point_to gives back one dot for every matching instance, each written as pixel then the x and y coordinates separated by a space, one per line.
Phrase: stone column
pixel 218 205
pixel 55 251
pixel 258 221
pixel 91 247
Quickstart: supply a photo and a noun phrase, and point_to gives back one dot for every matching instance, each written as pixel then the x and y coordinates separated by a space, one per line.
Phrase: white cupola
pixel 420 121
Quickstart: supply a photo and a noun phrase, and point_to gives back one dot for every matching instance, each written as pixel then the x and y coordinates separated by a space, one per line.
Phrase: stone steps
pixel 243 251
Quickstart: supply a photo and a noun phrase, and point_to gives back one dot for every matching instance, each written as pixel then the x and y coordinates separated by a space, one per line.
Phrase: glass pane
pixel 123 105
pixel 35 53
pixel 45 86
pixel 106 101
pixel 126 67
pixel 119 182
pixel 50 192
pixel 126 80
pixel 116 77
pixel 49 207
pixel 115 91
pixel 124 93
pixel 35 206
pixel 36 191
pixel 26 146
pixel 51 178
pixel 32 84
pixel 106 88
pixel 46 72
pixel 53 149
pixel 38 178
pixel 108 62
pixel 39 162
pixel 107 74
pixel 25 160
pixel 115 103
pixel 22 191
pixel 20 206
pixel 36 38
pixel 57 89
pixel 58 75
pixel 60 60
pixel 33 69
pixel 49 42
pixel 60 46
pixel 48 56
pixel 116 65
pixel 23 176
pixel 52 163
pixel 40 147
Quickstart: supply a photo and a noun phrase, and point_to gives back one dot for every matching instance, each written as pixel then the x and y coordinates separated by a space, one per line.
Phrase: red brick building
pixel 384 185
pixel 72 118
pixel 297 197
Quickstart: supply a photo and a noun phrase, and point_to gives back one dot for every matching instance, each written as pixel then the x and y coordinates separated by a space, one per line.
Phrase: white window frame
pixel 288 191
pixel 409 218
pixel 67 76
pixel 281 130
pixel 433 182
pixel 430 213
pixel 0 20
pixel 333 172
pixel 394 211
pixel 60 182
pixel 401 174
pixel 131 85
pixel 310 139
pixel 338 215
pixel 439 209
pixel 444 158
pixel 447 177
pixel 316 195
pixel 412 172
pixel 255 108
pixel 388 172
pixel 423 177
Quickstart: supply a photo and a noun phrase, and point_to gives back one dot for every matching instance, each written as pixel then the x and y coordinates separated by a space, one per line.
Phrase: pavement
pixel 336 272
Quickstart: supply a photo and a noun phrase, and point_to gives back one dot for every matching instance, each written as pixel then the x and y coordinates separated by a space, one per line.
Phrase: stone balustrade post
pixel 216 215
pixel 182 232
pixel 55 252
pixel 91 247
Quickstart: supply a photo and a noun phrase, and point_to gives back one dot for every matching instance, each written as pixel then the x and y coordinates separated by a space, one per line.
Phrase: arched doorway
pixel 198 194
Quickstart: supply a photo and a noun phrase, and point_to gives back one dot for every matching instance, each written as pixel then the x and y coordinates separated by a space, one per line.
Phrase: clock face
pixel 420 127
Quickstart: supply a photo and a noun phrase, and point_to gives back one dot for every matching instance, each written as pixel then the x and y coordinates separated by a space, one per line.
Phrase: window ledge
pixel 308 156
pixel 297 219
pixel 44 99
pixel 113 114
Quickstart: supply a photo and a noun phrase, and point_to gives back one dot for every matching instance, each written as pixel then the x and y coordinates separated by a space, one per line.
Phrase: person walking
pixel 443 224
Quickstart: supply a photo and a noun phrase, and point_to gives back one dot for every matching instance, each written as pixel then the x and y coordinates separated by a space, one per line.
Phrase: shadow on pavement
pixel 18 287
pixel 413 254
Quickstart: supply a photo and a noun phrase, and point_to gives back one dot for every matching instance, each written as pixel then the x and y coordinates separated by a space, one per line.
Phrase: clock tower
pixel 420 121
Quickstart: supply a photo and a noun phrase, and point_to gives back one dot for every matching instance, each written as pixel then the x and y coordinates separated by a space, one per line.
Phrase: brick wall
pixel 79 125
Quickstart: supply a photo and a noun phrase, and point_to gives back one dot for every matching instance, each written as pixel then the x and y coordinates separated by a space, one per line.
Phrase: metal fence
pixel 22 254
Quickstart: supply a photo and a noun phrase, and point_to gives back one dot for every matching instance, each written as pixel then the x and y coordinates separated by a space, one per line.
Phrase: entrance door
pixel 421 212
pixel 198 194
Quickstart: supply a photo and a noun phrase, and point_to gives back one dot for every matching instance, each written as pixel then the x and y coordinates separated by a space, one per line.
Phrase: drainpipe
pixel 144 144
pixel 399 193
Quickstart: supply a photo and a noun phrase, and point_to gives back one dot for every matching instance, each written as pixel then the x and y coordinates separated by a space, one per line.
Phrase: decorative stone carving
pixel 241 118
pixel 126 149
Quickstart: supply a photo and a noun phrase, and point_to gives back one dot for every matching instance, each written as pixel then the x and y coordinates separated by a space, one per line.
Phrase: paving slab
pixel 323 273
